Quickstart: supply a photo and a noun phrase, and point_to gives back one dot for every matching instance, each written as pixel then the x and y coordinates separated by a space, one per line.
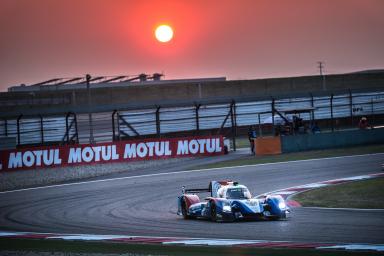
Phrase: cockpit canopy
pixel 234 192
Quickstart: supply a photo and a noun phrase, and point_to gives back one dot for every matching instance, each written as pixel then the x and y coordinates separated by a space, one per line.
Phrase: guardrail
pixel 227 119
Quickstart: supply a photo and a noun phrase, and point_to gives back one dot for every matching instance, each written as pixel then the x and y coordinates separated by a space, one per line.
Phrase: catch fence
pixel 231 119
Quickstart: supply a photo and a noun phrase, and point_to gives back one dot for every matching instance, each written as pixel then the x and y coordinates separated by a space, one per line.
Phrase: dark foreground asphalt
pixel 146 205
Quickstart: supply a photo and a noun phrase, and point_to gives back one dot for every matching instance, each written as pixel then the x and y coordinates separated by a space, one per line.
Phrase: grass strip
pixel 366 194
pixel 88 247
pixel 314 154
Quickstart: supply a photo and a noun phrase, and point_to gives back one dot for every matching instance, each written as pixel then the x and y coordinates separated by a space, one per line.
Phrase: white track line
pixel 181 172
pixel 196 241
pixel 354 247
pixel 346 209
pixel 310 186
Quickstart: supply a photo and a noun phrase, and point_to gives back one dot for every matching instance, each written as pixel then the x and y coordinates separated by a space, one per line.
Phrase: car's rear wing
pixel 213 188
pixel 195 190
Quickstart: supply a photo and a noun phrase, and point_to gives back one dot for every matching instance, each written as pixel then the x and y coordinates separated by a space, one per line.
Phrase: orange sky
pixel 239 39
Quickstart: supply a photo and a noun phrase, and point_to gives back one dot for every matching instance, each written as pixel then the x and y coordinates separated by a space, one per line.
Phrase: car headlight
pixel 282 205
pixel 227 208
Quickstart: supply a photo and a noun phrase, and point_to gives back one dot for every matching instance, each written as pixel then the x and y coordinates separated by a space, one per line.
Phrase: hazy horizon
pixel 247 39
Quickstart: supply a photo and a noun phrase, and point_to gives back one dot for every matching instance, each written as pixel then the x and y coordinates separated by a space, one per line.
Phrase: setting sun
pixel 164 33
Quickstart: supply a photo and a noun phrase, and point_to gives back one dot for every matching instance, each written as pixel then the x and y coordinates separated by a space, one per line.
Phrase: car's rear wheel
pixel 184 210
pixel 213 211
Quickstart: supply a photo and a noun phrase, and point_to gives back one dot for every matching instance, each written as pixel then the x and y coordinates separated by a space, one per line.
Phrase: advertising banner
pixel 123 151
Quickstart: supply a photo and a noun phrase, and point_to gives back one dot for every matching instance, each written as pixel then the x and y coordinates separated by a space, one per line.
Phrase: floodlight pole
pixel 91 138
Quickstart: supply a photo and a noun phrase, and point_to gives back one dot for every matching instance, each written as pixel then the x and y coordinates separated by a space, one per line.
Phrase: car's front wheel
pixel 213 211
pixel 282 216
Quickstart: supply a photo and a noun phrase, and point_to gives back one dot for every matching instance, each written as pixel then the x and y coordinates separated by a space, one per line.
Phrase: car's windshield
pixel 238 193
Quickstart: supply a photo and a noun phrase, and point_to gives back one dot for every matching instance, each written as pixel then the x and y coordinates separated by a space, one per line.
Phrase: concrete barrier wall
pixel 331 140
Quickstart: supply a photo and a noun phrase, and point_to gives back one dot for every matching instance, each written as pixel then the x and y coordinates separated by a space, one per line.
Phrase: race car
pixel 230 201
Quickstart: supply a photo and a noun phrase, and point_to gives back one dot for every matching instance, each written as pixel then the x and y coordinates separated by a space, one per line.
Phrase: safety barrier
pixel 147 149
pixel 336 139
pixel 318 141
pixel 268 146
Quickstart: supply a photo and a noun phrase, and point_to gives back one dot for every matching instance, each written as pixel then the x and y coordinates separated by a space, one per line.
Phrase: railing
pixel 331 111
pixel 41 130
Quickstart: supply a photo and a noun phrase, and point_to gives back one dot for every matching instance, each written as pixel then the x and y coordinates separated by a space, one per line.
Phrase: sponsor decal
pixel 55 156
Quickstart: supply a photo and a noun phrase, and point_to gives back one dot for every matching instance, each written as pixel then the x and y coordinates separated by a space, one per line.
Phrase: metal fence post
pixel 233 125
pixel 76 130
pixel 235 116
pixel 332 125
pixel 18 129
pixel 113 125
pixel 372 112
pixel 273 115
pixel 91 138
pixel 197 107
pixel 118 126
pixel 6 127
pixel 351 105
pixel 158 131
pixel 41 129
pixel 313 106
pixel 67 126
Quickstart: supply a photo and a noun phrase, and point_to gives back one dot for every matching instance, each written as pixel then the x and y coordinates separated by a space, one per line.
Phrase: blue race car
pixel 230 201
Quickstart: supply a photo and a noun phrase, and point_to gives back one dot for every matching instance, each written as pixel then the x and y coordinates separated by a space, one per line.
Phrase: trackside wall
pixel 331 140
pixel 121 151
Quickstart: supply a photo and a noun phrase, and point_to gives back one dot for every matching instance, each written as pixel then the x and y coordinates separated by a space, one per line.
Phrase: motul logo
pixel 110 152
pixel 34 158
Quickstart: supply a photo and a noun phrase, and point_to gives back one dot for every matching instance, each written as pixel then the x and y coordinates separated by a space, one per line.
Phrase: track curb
pixel 192 241
pixel 287 193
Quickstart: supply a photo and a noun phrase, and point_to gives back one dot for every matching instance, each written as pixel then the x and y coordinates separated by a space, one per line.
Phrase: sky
pixel 237 39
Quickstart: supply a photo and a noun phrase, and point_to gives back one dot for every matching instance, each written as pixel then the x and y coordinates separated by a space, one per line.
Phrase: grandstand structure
pixel 65 111
pixel 76 83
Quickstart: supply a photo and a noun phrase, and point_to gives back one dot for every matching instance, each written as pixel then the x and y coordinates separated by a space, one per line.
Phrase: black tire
pixel 184 209
pixel 281 217
pixel 213 211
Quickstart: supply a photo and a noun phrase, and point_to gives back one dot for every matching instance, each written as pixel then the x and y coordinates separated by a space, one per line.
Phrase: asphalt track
pixel 146 205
